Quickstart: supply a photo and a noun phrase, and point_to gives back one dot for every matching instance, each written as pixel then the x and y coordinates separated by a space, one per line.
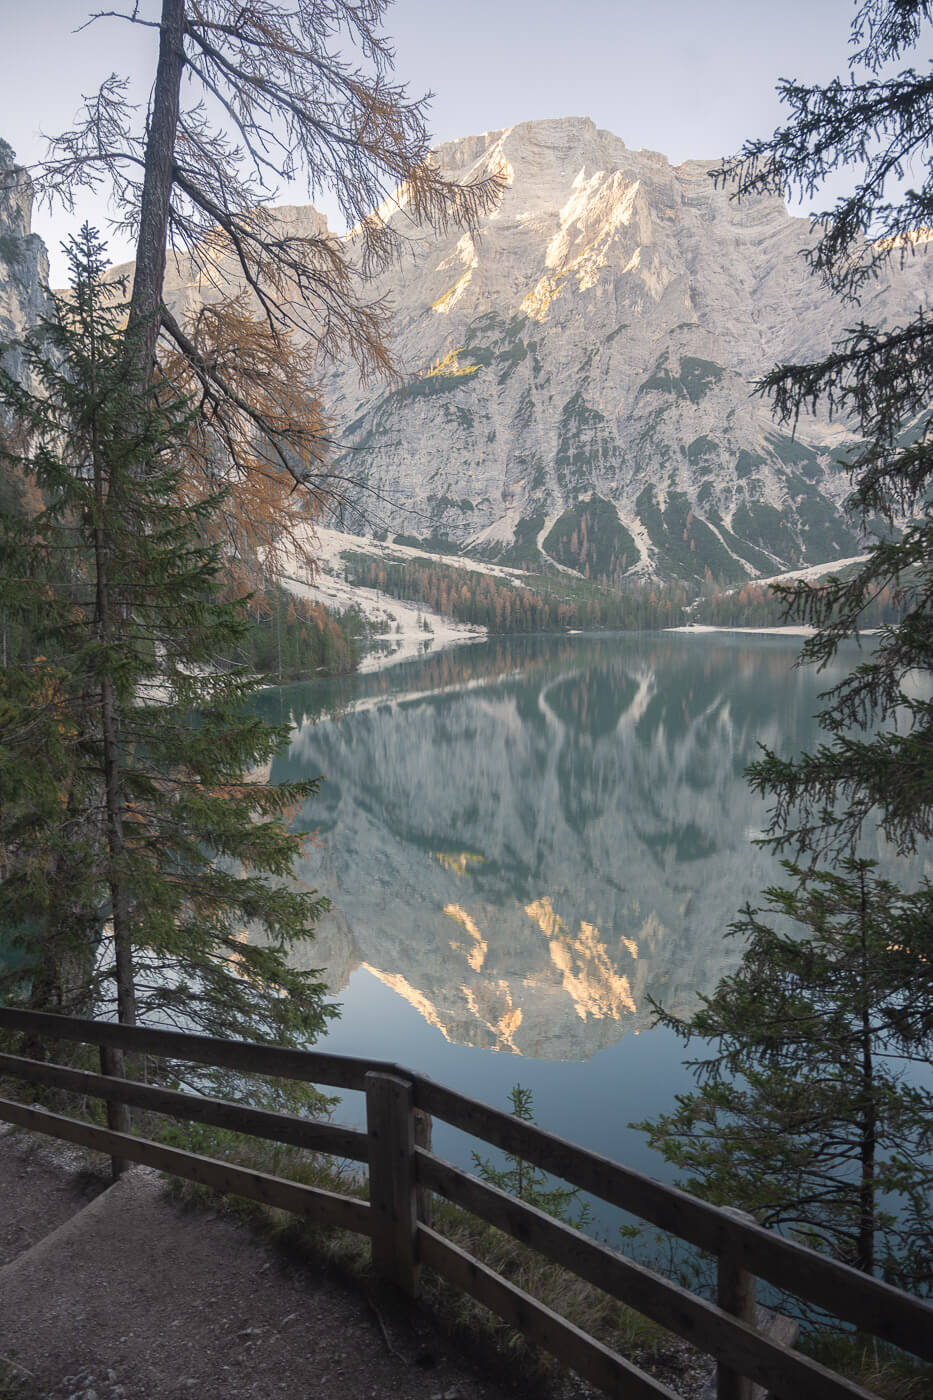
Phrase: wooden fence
pixel 404 1174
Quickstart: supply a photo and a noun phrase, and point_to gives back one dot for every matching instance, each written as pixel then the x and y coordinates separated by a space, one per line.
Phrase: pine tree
pixel 803 1112
pixel 128 738
pixel 877 761
pixel 803 1115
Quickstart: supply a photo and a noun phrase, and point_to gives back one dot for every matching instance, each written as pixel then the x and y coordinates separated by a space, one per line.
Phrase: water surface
pixel 527 841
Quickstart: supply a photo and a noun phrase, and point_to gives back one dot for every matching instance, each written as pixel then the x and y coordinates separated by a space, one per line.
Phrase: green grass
pixel 524 548
pixel 449 373
pixel 693 380
pixel 794 453
pixel 686 545
pixel 431 544
pixel 879 1368
pixel 764 526
pixel 583 442
pixel 698 376
pixel 756 557
pixel 700 448
pixel 824 530
pixel 16 1383
pixel 747 463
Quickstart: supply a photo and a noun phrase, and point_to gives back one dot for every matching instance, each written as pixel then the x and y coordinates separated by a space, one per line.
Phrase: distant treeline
pixel 286 637
pixel 541 605
pixel 758 605
pixel 291 637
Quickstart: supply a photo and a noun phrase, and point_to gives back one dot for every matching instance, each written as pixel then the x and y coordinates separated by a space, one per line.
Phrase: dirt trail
pixel 39 1189
pixel 124 1294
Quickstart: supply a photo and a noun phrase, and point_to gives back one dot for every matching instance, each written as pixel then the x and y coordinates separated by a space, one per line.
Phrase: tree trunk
pixel 118 1114
pixel 142 334
pixel 122 943
pixel 868 1117
pixel 148 278
pixel 113 787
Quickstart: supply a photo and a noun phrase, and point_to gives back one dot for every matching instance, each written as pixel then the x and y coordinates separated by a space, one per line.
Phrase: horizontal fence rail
pixel 217 1113
pixel 708 1327
pixel 275 1061
pixel 568 1343
pixel 308 1201
pixel 871 1305
pixel 404 1173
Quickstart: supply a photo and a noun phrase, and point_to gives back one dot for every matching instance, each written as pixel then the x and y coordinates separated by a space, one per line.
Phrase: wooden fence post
pixel 735 1295
pixel 424 1196
pixel 390 1123
pixel 118 1114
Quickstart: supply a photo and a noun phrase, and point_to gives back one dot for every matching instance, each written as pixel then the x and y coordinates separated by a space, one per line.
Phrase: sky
pixel 690 80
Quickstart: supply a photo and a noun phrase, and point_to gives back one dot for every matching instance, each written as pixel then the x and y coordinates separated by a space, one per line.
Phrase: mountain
pixel 579 375
pixel 24 263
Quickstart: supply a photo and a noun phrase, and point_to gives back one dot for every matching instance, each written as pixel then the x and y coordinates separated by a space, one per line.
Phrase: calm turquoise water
pixel 526 840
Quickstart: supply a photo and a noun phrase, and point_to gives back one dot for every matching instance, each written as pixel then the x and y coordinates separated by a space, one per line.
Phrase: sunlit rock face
pixel 24 264
pixel 527 859
pixel 595 345
pixel 578 376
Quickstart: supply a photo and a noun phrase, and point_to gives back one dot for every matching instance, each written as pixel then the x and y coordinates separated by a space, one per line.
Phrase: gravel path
pixel 40 1187
pixel 135 1297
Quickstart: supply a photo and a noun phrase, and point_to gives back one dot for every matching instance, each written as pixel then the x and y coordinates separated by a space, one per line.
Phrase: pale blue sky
pixel 685 78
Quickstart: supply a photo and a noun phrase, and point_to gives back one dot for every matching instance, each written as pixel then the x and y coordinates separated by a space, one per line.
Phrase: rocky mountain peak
pixel 24 263
pixel 580 371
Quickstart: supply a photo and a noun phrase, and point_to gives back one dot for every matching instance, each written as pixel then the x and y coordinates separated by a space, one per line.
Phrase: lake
pixel 528 839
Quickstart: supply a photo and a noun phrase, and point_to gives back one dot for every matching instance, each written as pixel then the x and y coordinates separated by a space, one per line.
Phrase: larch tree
pixel 243 98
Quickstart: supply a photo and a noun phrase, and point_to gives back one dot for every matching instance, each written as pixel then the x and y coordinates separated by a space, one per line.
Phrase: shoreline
pixel 774 631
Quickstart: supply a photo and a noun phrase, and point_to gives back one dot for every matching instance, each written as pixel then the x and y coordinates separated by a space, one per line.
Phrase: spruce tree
pixel 527 1182
pixel 877 760
pixel 804 1111
pixel 804 1115
pixel 129 743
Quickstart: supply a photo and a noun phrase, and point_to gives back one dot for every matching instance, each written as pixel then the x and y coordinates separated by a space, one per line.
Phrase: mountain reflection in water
pixel 529 839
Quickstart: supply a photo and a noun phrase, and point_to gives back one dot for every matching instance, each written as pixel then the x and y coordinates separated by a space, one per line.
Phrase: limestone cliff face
pixel 579 375
pixel 24 264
